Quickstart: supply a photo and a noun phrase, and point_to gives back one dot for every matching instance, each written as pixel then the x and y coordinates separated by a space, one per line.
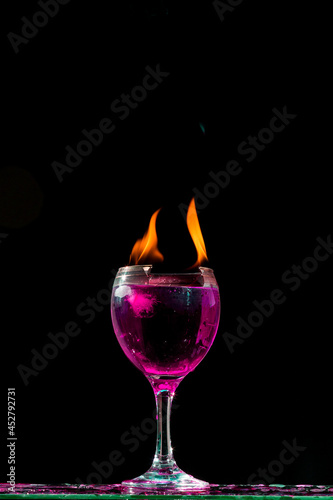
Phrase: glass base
pixel 166 477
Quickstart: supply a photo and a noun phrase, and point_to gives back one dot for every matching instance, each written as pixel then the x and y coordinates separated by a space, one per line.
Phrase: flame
pixel 146 247
pixel 196 234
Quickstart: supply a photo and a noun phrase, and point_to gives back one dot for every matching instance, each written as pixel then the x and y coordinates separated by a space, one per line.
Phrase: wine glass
pixel 165 324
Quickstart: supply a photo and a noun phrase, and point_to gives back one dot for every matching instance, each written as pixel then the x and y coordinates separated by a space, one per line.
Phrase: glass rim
pixel 147 267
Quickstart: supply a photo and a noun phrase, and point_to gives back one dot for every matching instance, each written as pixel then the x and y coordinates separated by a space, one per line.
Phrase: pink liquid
pixel 165 330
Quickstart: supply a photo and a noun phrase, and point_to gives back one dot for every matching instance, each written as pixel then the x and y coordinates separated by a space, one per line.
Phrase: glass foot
pixel 167 477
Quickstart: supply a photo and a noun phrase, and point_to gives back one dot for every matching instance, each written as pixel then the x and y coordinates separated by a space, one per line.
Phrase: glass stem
pixel 163 455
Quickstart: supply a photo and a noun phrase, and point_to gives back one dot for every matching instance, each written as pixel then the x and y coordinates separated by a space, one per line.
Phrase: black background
pixel 60 241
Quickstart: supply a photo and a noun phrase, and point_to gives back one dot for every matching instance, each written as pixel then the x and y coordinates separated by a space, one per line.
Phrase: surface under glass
pixel 116 491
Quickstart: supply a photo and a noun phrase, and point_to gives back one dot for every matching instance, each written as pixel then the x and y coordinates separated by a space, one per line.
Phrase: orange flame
pixel 196 234
pixel 145 249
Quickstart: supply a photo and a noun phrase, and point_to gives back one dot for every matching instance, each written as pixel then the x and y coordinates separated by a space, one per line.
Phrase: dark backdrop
pixel 226 72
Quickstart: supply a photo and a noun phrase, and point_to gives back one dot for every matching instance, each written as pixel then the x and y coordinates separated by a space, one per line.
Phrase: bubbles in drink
pixel 165 330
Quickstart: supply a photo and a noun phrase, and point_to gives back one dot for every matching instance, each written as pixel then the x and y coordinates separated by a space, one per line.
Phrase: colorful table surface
pixel 116 491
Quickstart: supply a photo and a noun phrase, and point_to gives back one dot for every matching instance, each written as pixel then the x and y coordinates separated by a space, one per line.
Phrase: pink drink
pixel 165 330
